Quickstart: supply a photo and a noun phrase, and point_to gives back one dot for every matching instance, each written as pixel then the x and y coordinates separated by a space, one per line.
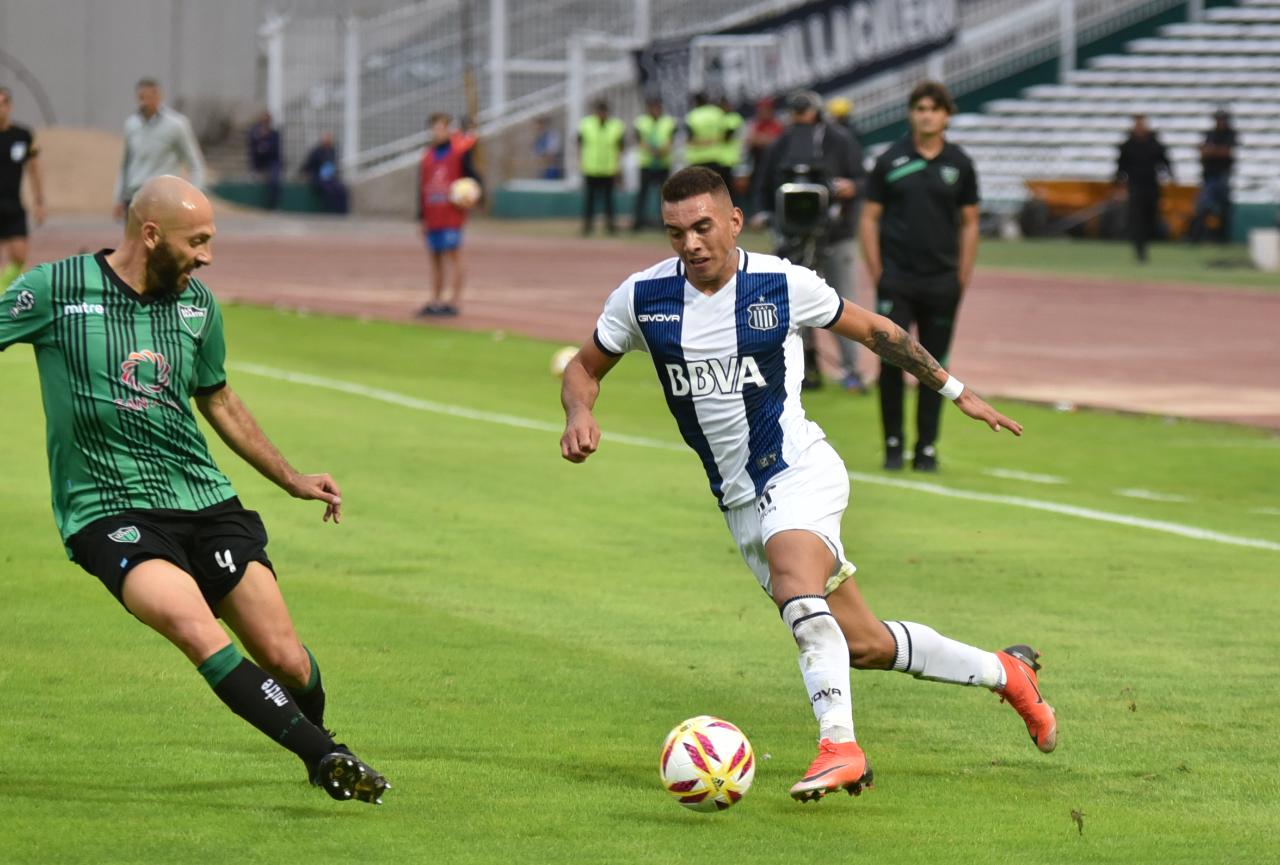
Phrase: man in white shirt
pixel 722 328
pixel 157 140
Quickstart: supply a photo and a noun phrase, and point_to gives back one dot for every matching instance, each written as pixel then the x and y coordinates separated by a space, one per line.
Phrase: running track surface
pixel 1175 350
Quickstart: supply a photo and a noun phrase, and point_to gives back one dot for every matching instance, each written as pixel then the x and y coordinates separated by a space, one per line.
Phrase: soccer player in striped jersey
pixel 722 330
pixel 124 341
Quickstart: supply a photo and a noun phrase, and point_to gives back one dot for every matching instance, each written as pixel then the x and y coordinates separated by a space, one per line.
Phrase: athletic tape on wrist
pixel 952 389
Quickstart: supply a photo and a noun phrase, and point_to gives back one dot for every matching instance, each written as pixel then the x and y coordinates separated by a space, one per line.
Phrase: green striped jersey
pixel 117 373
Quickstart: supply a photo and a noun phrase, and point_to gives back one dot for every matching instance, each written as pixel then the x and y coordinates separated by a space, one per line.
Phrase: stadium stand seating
pixel 1178 79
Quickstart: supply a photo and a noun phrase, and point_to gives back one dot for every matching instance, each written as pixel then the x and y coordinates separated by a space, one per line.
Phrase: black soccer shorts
pixel 213 545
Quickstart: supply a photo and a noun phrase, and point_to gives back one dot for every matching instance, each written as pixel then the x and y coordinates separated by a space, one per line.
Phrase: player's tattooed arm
pixel 901 349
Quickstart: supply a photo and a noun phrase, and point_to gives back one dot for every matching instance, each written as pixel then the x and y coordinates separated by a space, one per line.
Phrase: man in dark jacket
pixel 1142 159
pixel 834 158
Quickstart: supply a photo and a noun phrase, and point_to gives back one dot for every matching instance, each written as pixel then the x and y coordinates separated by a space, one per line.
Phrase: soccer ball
pixel 464 192
pixel 560 360
pixel 707 764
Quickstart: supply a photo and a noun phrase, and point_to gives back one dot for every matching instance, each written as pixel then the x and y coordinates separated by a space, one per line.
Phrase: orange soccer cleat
pixel 838 766
pixel 1022 691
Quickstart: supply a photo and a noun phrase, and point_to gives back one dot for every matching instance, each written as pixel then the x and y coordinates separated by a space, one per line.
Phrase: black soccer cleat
pixel 344 776
pixel 925 459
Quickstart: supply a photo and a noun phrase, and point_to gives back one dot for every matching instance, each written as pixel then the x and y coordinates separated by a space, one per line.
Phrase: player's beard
pixel 164 272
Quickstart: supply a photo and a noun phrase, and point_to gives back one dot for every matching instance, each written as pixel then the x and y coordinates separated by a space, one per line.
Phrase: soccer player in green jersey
pixel 124 340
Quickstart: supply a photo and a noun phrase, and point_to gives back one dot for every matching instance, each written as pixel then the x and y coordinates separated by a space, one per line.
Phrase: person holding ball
pixel 443 203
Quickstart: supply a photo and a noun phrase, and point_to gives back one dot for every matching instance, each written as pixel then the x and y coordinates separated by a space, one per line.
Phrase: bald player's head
pixel 173 222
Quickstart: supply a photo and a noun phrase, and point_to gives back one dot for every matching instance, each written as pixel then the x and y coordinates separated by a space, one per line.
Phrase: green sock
pixel 310 699
pixel 264 703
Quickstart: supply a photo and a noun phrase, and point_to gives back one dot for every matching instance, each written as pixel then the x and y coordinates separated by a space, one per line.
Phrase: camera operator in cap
pixel 807 189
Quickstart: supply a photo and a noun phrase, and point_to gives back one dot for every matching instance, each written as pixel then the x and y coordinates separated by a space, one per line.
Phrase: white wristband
pixel 952 389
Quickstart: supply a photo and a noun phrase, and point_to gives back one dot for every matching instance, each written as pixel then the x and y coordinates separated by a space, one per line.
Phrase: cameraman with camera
pixel 806 188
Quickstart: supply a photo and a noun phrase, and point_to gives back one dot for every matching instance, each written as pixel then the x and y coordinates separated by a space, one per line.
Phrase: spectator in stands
pixel 548 149
pixel 264 157
pixel 1142 160
pixel 157 140
pixel 1217 157
pixel 446 159
pixel 811 150
pixel 919 233
pixel 18 157
pixel 600 156
pixel 321 171
pixel 655 131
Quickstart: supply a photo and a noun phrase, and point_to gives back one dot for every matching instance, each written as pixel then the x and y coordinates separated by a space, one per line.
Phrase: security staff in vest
pixel 730 155
pixel 919 235
pixel 813 152
pixel 654 131
pixel 704 134
pixel 600 157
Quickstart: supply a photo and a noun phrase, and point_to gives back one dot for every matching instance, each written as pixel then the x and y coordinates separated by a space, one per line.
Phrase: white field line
pixel 1029 477
pixel 1149 495
pixel 406 401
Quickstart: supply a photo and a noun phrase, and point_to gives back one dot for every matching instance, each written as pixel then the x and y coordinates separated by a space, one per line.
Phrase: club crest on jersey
pixel 26 301
pixel 762 316
pixel 126 535
pixel 703 377
pixel 950 174
pixel 193 318
pixel 17 150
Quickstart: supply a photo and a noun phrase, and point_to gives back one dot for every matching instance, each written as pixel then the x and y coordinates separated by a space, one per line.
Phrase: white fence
pixel 373 81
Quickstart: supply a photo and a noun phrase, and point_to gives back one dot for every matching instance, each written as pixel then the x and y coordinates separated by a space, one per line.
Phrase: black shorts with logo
pixel 13 219
pixel 213 545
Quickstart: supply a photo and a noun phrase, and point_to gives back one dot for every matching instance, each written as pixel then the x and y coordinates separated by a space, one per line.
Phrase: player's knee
pixel 191 634
pixel 870 651
pixel 287 661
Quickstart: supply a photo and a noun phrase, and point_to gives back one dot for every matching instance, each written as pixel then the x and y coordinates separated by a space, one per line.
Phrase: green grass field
pixel 509 637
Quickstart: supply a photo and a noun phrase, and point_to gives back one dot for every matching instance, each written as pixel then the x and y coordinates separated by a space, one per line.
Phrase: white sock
pixel 824 664
pixel 926 654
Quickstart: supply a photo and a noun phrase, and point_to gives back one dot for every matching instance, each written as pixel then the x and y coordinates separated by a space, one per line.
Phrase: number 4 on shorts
pixel 224 560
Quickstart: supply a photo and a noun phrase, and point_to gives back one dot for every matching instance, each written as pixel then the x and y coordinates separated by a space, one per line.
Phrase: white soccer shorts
pixel 810 494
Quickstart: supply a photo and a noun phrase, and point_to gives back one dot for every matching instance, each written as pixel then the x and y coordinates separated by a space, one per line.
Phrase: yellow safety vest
pixel 706 134
pixel 655 134
pixel 601 146
pixel 731 147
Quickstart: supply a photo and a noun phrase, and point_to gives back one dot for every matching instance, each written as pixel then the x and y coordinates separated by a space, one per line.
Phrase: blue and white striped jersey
pixel 730 363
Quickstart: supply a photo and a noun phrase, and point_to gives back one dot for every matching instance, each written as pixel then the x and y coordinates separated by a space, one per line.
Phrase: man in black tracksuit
pixel 919 233
pixel 1142 158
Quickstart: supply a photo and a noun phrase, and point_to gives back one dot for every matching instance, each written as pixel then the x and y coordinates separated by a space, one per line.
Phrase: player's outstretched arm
pixel 578 395
pixel 237 427
pixel 901 349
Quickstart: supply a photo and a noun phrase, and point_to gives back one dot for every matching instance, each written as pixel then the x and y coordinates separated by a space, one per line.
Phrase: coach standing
pixel 157 141
pixel 919 233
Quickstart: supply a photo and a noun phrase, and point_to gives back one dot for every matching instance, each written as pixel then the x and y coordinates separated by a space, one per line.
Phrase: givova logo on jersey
pixel 704 377
pixel 147 372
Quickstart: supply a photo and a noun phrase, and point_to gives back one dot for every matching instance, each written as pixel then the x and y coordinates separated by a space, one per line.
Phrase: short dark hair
pixel 437 117
pixel 691 181
pixel 6 93
pixel 146 82
pixel 935 90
